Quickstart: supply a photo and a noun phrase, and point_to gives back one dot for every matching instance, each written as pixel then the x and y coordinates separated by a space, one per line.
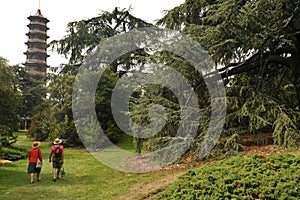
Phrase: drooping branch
pixel 261 57
pixel 84 35
pixel 255 63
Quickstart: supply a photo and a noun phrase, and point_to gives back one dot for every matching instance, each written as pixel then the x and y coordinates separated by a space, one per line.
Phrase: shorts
pixel 56 162
pixel 32 168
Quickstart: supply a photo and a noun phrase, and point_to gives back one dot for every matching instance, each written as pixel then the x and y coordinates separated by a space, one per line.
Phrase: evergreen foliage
pixel 252 177
pixel 54 118
pixel 84 35
pixel 257 45
pixel 9 96
pixel 32 90
pixel 255 42
pixel 9 101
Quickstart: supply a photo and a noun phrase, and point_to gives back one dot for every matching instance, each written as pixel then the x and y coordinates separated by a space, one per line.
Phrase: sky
pixel 14 13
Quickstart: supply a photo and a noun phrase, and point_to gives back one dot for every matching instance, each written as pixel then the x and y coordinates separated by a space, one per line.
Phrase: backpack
pixel 57 152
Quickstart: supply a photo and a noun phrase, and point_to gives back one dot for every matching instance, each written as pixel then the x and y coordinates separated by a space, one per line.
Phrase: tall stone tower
pixel 36 54
pixel 36 58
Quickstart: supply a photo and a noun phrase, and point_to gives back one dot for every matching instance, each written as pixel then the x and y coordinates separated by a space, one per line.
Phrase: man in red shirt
pixel 57 157
pixel 34 154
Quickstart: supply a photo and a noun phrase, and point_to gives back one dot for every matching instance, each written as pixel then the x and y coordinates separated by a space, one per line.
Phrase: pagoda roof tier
pixel 35 49
pixel 38 22
pixel 38 16
pixel 43 54
pixel 35 64
pixel 33 26
pixel 38 73
pixel 33 43
pixel 38 35
pixel 37 31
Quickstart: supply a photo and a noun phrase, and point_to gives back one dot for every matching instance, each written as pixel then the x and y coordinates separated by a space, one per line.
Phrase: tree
pixel 32 90
pixel 9 96
pixel 54 117
pixel 9 101
pixel 243 35
pixel 257 43
pixel 118 22
pixel 84 35
pixel 103 105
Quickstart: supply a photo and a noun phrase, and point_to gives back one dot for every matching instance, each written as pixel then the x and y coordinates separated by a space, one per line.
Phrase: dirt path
pixel 148 191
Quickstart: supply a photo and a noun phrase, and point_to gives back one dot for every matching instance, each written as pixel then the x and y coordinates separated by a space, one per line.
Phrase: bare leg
pixel 31 177
pixel 57 174
pixel 38 176
pixel 54 173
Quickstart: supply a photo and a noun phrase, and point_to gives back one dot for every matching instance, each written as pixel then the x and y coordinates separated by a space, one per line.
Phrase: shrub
pixel 253 177
pixel 12 153
pixel 7 150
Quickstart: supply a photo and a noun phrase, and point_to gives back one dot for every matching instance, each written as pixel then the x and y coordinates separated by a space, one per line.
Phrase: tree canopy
pixel 243 35
pixel 9 96
pixel 256 47
pixel 254 44
pixel 84 35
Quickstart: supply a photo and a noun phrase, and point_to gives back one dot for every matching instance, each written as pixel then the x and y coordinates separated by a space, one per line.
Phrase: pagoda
pixel 36 54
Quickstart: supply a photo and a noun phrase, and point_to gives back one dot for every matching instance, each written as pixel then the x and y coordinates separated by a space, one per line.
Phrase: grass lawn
pixel 86 178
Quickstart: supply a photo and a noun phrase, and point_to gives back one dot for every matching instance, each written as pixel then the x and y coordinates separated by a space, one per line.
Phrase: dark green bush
pixel 12 153
pixel 252 177
pixel 7 140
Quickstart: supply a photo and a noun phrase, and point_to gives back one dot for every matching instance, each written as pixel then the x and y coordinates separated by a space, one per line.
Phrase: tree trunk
pixel 139 145
pixel 297 86
pixel 296 71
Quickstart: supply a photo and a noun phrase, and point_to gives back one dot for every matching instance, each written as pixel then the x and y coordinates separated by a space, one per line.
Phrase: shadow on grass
pixel 9 177
pixel 14 175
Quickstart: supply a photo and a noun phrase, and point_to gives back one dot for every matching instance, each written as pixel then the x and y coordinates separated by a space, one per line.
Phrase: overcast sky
pixel 14 13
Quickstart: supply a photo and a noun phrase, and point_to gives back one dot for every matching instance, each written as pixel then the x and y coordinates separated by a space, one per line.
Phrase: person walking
pixel 35 153
pixel 57 158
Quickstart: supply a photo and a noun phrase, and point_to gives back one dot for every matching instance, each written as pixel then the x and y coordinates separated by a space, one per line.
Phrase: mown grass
pixel 86 178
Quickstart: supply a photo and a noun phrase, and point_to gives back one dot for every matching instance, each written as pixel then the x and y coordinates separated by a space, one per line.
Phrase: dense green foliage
pixel 33 91
pixel 255 109
pixel 258 43
pixel 84 35
pixel 9 96
pixel 101 102
pixel 10 102
pixel 12 153
pixel 255 42
pixel 55 119
pixel 144 106
pixel 253 177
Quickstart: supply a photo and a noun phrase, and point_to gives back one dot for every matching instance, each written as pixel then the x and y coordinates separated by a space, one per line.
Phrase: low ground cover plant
pixel 252 177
